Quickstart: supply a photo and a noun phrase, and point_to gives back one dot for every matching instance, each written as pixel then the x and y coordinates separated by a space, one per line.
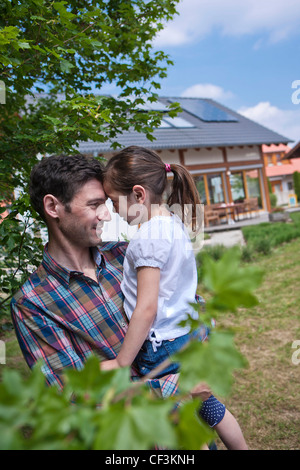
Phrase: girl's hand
pixel 109 365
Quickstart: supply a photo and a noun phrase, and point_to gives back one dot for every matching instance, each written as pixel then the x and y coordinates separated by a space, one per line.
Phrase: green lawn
pixel 265 396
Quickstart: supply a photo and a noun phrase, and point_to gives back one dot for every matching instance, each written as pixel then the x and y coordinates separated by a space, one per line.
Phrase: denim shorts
pixel 147 359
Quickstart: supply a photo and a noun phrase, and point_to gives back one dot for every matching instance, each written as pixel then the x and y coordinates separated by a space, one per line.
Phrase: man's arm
pixel 40 337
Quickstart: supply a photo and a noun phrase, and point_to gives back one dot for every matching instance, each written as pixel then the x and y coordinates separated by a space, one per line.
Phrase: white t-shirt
pixel 163 243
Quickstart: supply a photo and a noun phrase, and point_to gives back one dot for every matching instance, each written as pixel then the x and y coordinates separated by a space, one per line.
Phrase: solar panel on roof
pixel 205 111
pixel 178 122
pixel 157 106
pixel 164 124
pixel 147 105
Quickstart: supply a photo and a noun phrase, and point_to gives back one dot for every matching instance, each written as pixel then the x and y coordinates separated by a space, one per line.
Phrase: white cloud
pixel 197 18
pixel 207 90
pixel 285 122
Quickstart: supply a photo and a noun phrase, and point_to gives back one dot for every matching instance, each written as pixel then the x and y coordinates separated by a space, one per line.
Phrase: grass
pixel 264 237
pixel 265 395
pixel 13 356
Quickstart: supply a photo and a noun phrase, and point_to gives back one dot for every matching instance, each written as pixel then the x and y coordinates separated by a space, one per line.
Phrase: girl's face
pixel 130 208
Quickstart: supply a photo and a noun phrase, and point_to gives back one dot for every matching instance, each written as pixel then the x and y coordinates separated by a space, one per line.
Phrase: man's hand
pixel 109 365
pixel 201 391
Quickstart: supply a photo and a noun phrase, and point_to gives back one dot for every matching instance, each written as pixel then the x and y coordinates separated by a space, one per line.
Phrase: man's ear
pixel 52 206
pixel 139 193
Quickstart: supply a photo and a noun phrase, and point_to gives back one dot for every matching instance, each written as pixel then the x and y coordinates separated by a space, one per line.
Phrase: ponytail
pixel 185 194
pixel 138 165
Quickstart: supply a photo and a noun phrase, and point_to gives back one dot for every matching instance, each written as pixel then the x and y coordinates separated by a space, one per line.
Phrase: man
pixel 72 305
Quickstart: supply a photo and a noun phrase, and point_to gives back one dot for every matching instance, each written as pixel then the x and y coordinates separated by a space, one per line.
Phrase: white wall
pixel 236 154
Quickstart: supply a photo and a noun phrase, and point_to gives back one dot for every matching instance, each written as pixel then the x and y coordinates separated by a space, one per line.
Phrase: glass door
pixel 237 187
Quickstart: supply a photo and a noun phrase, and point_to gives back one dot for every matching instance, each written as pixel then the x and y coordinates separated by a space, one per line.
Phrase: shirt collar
pixel 64 274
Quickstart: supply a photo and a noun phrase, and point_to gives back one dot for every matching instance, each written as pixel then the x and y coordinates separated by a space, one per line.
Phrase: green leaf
pixel 233 286
pixel 64 13
pixel 93 384
pixel 192 432
pixel 66 66
pixel 24 45
pixel 211 362
pixel 135 426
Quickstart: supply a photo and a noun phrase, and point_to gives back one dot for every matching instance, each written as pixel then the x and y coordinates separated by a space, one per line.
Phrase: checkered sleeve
pixel 41 338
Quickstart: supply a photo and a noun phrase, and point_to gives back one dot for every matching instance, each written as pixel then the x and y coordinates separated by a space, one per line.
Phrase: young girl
pixel 160 275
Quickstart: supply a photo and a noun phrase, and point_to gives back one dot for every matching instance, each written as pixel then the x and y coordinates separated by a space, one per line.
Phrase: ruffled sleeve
pixel 151 251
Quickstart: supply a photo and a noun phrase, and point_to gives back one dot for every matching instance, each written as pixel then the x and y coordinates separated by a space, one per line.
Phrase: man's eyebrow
pixel 97 200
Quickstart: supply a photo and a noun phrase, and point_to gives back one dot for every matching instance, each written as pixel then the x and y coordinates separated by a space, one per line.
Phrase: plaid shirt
pixel 63 317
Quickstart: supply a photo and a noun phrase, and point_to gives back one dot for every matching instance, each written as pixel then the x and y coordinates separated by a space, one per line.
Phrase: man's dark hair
pixel 62 176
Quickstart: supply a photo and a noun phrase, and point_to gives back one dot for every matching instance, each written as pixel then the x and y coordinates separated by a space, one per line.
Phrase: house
pixel 294 152
pixel 280 165
pixel 221 148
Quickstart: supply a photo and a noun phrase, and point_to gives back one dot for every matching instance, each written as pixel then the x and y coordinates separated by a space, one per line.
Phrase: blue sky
pixel 244 54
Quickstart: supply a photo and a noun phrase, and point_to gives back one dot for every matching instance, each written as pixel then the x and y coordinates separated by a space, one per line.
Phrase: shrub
pixel 296 179
pixel 247 253
pixel 262 245
pixel 273 199
pixel 213 251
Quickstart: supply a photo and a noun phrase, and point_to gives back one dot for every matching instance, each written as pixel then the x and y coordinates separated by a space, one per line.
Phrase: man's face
pixel 82 223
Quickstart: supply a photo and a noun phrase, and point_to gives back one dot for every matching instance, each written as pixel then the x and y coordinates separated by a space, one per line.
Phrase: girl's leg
pixel 215 414
pixel 230 433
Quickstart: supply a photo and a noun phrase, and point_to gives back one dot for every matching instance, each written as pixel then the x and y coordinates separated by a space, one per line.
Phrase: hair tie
pixel 168 167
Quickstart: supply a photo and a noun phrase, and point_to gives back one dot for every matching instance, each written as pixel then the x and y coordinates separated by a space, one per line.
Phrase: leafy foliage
pixel 296 180
pixel 130 416
pixel 55 57
pixel 69 50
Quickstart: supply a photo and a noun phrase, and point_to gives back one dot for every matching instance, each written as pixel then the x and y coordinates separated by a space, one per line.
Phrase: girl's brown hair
pixel 140 166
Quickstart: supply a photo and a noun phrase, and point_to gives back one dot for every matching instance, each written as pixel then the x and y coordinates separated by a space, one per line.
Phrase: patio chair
pixel 241 208
pixel 221 211
pixel 252 205
pixel 210 216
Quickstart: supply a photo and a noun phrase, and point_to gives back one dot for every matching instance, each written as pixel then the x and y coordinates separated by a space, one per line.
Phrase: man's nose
pixel 103 213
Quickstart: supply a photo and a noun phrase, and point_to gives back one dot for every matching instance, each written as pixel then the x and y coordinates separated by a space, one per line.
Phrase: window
pixel 253 186
pixel 210 188
pixel 237 187
pixel 199 181
pixel 215 188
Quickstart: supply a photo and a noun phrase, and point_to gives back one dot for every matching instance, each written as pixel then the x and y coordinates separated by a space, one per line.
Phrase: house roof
pixel 294 152
pixel 283 170
pixel 206 123
pixel 276 148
